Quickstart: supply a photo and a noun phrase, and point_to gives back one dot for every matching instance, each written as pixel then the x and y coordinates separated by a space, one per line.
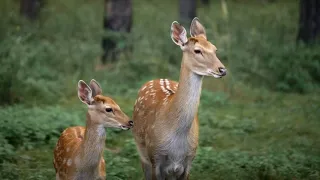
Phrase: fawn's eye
pixel 197 51
pixel 109 110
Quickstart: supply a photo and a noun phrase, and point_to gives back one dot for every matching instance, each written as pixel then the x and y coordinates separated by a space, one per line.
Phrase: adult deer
pixel 165 112
pixel 79 151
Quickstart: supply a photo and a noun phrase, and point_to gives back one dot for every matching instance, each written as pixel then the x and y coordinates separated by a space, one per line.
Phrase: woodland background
pixel 261 121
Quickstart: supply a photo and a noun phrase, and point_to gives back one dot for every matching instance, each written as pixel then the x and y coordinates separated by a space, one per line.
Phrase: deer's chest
pixel 175 155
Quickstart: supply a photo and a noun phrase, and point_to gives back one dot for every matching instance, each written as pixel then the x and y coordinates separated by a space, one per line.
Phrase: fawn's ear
pixel 178 34
pixel 95 87
pixel 196 28
pixel 84 93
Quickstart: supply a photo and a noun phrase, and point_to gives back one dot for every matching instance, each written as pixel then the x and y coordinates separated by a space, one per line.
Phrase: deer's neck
pixel 93 145
pixel 185 102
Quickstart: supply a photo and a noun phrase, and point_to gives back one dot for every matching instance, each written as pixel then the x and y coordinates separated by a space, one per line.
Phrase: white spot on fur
pixel 165 86
pixel 69 162
pixel 144 87
pixel 162 86
pixel 168 85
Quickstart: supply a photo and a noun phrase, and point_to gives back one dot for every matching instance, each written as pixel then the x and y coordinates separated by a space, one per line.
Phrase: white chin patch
pixel 124 128
pixel 216 76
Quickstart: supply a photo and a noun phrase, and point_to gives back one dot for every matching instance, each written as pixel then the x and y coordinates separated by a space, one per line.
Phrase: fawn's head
pixel 107 111
pixel 202 58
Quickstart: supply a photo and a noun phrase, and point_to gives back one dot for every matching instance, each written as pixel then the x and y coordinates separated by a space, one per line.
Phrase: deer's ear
pixel 178 34
pixel 84 93
pixel 95 87
pixel 197 29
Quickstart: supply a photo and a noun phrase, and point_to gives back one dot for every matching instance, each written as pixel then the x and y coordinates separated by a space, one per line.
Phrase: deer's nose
pixel 131 123
pixel 222 71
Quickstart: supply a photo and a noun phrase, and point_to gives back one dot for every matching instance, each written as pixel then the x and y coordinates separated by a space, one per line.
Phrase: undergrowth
pixel 259 122
pixel 255 41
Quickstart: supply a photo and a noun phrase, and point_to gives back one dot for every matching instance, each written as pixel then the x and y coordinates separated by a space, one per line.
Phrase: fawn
pixel 79 150
pixel 165 112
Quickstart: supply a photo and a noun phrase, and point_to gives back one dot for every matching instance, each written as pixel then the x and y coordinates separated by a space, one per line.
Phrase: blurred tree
pixel 117 18
pixel 309 22
pixel 267 1
pixel 205 2
pixel 30 8
pixel 187 11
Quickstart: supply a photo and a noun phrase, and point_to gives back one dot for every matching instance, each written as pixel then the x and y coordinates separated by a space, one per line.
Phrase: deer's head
pixel 106 111
pixel 202 58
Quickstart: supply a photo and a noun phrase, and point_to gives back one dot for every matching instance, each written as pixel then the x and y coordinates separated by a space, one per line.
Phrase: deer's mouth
pixel 123 127
pixel 127 126
pixel 215 74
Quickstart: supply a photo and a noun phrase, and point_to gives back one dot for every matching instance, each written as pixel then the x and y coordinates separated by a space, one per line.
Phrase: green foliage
pixel 6 150
pixel 43 60
pixel 299 68
pixel 245 133
pixel 271 164
pixel 273 138
pixel 24 128
pixel 126 160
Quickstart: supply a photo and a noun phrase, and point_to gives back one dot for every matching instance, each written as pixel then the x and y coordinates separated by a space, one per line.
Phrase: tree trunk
pixel 30 8
pixel 309 22
pixel 205 2
pixel 187 11
pixel 117 18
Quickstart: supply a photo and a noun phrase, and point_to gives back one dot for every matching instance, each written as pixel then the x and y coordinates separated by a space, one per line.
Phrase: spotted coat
pixel 67 151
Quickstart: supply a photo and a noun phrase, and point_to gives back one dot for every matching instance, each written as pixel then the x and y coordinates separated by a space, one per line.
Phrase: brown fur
pixel 164 108
pixel 67 148
pixel 79 150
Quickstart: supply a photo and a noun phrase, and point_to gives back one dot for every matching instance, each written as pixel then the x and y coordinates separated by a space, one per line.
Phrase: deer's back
pixel 153 96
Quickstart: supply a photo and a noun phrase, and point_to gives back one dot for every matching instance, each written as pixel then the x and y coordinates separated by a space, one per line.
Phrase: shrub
pixel 25 128
pixel 272 164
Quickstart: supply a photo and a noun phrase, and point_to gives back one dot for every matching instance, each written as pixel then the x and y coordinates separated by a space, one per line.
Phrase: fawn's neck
pixel 185 102
pixel 93 145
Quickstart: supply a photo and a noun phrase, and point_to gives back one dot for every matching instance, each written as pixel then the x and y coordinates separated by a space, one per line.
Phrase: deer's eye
pixel 197 51
pixel 109 110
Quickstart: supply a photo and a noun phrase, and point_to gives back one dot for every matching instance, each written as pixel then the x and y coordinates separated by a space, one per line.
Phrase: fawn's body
pixel 79 150
pixel 165 113
pixel 67 163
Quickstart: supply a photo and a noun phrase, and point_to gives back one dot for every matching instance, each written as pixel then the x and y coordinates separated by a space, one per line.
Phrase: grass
pixel 261 121
pixel 273 137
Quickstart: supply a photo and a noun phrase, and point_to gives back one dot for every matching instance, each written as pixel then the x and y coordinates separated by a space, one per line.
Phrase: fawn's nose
pixel 222 71
pixel 131 123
